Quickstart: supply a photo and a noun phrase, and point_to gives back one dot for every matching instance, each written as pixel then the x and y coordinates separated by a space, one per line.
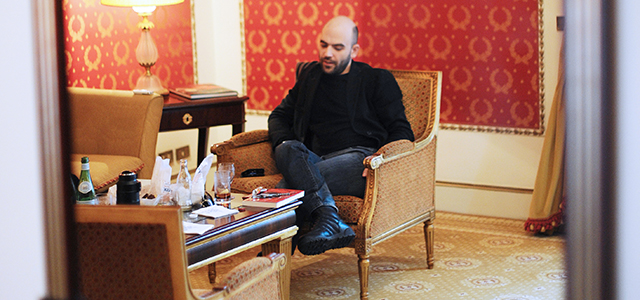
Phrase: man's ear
pixel 354 50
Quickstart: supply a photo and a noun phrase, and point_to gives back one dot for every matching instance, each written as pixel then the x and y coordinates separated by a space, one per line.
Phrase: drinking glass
pixel 228 166
pixel 222 187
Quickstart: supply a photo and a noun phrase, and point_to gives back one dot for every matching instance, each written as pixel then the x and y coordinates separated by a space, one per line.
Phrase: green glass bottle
pixel 86 194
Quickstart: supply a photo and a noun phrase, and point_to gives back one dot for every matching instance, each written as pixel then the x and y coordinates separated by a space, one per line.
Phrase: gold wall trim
pixel 495 188
pixel 243 49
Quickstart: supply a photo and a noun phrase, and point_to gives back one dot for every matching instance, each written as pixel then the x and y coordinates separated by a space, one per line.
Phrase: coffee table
pixel 273 229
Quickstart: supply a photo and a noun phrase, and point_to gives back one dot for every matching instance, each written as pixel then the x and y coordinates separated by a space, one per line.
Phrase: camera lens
pixel 128 188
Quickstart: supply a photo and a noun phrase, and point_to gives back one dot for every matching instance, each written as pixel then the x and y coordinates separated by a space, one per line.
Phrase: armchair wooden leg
pixel 281 246
pixel 363 270
pixel 212 273
pixel 428 236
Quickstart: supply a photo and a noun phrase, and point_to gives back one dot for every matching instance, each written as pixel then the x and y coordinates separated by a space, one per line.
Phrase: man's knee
pixel 287 148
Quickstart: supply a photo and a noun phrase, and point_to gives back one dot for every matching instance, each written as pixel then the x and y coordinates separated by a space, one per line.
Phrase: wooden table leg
pixel 281 246
pixel 237 128
pixel 203 147
pixel 212 273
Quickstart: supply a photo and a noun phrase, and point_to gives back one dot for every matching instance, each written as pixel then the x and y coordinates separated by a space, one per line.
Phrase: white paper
pixel 195 228
pixel 215 211
pixel 199 179
pixel 161 176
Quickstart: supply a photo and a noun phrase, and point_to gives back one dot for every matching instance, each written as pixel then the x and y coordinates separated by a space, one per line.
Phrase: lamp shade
pixel 131 3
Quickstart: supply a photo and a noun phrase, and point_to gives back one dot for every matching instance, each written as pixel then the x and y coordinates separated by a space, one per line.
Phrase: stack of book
pixel 272 198
pixel 203 91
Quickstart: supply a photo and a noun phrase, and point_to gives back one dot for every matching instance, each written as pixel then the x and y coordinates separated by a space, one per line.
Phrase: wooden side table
pixel 180 113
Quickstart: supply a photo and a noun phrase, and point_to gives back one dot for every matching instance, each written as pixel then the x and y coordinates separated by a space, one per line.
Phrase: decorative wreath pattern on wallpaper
pixel 490 52
pixel 100 45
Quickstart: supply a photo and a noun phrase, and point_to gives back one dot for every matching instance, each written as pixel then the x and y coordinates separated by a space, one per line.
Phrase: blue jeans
pixel 337 173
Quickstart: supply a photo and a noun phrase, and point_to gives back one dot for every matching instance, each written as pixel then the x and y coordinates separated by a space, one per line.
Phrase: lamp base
pixel 151 83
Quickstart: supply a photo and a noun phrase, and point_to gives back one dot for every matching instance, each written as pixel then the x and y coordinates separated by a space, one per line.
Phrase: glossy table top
pixel 234 232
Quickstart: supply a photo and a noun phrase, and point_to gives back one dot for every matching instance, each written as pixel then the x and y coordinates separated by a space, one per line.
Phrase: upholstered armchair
pixel 138 252
pixel 117 130
pixel 400 181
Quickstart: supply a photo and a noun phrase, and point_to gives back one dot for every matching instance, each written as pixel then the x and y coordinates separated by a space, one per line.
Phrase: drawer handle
pixel 187 118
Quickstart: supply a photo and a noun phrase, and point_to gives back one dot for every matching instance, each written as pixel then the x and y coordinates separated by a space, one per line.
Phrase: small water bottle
pixel 86 194
pixel 183 186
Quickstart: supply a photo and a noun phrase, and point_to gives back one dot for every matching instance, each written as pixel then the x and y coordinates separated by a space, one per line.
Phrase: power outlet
pixel 183 152
pixel 167 154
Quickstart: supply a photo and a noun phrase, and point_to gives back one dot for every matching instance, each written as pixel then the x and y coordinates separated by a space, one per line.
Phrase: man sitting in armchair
pixel 339 112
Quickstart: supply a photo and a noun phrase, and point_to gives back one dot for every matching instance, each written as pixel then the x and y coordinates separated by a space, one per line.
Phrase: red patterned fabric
pixel 100 45
pixel 488 51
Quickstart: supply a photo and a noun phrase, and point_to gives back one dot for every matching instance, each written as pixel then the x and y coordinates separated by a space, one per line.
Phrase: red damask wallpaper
pixel 488 51
pixel 100 45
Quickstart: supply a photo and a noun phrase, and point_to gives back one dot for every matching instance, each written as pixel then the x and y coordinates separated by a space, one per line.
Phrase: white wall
pixel 22 249
pixel 219 60
pixel 628 139
pixel 502 160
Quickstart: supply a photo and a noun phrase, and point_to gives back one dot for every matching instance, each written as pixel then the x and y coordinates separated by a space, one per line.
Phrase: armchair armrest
pixel 390 151
pixel 258 278
pixel 249 150
pixel 400 185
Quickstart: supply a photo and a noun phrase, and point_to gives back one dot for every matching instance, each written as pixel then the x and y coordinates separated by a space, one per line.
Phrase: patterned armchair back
pixel 131 252
pixel 420 93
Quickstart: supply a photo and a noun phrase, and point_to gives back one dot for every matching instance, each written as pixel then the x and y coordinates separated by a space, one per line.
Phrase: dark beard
pixel 339 68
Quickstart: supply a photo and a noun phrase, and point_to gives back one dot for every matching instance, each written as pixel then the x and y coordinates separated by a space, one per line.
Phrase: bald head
pixel 344 25
pixel 338 45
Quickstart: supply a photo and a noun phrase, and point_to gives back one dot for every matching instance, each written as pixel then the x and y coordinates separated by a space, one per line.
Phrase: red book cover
pixel 272 198
pixel 201 91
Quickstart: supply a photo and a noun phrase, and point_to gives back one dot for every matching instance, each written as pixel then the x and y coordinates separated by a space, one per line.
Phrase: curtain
pixel 547 204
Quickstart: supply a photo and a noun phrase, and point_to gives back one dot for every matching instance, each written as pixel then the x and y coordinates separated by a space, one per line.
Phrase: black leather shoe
pixel 328 232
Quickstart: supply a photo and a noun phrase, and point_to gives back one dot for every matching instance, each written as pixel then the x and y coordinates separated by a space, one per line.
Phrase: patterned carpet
pixel 475 258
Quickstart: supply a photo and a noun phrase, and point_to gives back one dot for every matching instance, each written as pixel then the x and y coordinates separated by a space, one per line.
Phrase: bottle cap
pixel 84 160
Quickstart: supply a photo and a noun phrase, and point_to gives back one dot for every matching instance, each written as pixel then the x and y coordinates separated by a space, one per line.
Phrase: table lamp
pixel 146 52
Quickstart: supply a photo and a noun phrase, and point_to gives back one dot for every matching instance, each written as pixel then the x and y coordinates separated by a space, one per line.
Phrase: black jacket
pixel 378 111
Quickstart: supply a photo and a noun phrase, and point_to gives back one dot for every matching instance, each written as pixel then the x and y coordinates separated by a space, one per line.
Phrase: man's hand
pixel 365 172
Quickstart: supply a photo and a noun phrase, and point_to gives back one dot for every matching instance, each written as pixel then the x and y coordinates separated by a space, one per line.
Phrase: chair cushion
pixel 247 184
pixel 349 208
pixel 105 169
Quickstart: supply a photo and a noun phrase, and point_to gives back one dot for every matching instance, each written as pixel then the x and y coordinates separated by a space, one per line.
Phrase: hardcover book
pixel 272 198
pixel 202 91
